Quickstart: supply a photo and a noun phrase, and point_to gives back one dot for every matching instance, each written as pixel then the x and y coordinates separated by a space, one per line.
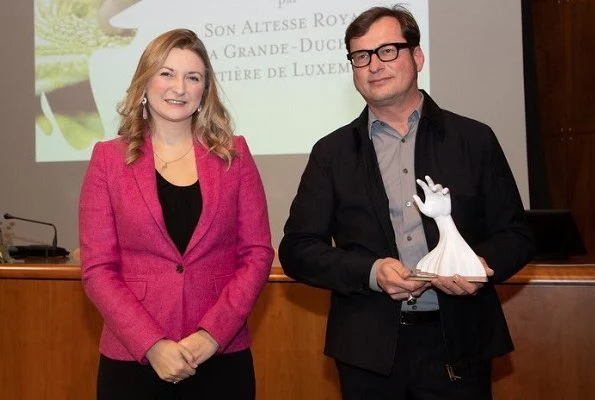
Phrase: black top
pixel 181 207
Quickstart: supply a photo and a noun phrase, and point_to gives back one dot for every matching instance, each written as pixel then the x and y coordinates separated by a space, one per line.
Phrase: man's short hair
pixel 361 25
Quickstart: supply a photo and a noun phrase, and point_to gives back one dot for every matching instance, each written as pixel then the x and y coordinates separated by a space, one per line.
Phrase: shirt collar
pixel 415 115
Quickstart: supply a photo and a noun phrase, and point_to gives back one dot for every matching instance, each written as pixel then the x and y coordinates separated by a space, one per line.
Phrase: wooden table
pixel 49 333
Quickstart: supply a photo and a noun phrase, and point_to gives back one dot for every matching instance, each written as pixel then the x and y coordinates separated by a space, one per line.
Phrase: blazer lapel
pixel 144 174
pixel 209 175
pixel 430 132
pixel 374 185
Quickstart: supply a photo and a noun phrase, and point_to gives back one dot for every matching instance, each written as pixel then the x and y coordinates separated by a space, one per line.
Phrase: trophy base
pixel 424 276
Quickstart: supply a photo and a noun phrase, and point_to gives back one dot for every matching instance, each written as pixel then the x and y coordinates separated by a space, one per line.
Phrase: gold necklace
pixel 166 163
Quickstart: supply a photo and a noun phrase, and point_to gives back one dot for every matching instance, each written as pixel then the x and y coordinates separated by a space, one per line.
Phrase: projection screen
pixel 283 73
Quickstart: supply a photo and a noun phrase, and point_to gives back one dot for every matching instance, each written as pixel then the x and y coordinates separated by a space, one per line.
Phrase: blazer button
pixel 179 268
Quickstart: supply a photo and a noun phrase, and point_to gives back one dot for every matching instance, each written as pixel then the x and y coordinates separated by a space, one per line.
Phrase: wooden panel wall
pixel 49 333
pixel 563 41
pixel 553 329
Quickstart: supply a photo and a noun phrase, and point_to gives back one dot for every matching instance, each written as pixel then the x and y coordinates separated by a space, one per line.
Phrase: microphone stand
pixel 43 251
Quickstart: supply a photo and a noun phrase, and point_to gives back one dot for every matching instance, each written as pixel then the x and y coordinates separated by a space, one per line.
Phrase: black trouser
pixel 419 372
pixel 225 376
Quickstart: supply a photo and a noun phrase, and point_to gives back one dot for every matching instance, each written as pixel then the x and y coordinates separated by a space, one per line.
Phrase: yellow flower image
pixel 67 33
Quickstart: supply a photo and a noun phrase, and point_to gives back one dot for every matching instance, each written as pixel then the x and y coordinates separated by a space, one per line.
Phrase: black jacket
pixel 341 198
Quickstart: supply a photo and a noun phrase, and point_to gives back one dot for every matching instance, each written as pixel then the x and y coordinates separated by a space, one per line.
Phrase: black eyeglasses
pixel 386 52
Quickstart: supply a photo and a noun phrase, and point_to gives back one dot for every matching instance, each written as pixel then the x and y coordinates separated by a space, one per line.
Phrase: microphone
pixel 18 252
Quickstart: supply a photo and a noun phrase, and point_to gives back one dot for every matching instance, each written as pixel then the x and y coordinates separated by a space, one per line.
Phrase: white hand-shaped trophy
pixel 452 255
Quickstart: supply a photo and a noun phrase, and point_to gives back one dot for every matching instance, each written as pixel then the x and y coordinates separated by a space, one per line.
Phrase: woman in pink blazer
pixel 174 234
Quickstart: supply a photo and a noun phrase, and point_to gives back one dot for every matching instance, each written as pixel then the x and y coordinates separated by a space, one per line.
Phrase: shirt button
pixel 408 238
pixel 408 204
pixel 405 170
pixel 403 140
pixel 179 268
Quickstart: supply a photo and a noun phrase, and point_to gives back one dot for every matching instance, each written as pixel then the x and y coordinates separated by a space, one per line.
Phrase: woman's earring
pixel 198 110
pixel 144 103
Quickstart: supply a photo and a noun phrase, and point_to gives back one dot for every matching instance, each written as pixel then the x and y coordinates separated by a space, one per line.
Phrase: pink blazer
pixel 136 277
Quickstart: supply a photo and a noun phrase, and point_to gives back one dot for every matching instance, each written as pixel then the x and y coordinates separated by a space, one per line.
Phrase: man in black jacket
pixel 393 337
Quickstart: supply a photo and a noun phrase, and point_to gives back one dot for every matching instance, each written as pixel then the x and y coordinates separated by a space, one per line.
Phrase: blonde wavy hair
pixel 211 126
